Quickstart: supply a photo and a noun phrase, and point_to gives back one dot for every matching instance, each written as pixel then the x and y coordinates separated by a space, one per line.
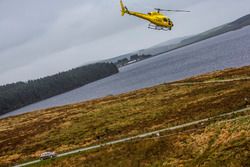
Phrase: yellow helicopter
pixel 158 21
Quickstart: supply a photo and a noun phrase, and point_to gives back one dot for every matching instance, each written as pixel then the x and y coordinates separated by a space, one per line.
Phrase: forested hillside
pixel 17 95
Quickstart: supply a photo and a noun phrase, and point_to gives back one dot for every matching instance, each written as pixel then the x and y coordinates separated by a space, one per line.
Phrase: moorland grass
pixel 83 124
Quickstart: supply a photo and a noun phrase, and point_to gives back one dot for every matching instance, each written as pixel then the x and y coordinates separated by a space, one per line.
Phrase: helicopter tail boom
pixel 123 8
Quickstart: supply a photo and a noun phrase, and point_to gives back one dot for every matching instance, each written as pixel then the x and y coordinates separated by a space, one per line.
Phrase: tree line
pixel 16 95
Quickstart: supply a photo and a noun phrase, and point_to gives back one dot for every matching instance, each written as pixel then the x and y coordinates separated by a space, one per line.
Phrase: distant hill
pixel 184 41
pixel 171 42
pixel 235 25
pixel 115 59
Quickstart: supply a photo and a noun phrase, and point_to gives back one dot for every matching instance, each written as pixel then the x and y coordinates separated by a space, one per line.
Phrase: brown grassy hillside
pixel 68 127
pixel 225 143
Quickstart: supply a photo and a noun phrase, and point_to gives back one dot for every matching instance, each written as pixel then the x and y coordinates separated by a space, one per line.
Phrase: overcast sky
pixel 43 37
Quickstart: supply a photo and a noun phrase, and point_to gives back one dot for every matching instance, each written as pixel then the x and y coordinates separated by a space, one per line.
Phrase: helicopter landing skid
pixel 154 27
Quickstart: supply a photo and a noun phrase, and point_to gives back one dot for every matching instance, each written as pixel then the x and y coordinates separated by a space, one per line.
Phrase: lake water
pixel 227 50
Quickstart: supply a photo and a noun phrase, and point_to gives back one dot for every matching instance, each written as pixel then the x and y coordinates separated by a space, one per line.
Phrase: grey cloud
pixel 43 37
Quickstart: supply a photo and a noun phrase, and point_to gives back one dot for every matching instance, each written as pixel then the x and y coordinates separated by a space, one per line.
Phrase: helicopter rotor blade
pixel 168 10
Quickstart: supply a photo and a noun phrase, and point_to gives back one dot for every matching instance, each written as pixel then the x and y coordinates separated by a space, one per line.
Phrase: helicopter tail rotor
pixel 123 8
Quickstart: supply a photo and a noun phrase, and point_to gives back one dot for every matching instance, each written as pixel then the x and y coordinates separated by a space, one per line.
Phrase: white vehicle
pixel 47 155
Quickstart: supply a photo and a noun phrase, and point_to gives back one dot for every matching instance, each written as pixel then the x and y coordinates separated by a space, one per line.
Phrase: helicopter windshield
pixel 165 19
